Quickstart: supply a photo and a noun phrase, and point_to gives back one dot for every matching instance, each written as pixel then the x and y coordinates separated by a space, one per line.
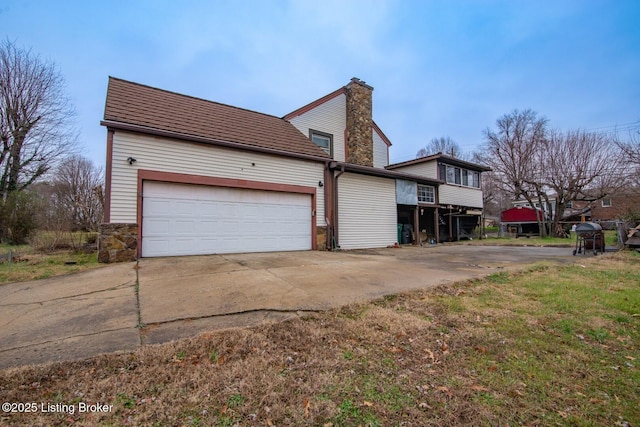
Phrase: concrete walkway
pixel 121 307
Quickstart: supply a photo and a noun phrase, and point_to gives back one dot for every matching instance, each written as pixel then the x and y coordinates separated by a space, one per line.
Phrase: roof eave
pixel 210 141
pixel 444 159
pixel 372 171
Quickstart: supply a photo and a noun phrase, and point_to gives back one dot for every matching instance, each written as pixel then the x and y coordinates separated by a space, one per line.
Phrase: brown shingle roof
pixel 156 109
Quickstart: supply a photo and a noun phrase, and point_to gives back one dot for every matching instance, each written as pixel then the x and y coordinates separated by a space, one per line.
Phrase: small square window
pixel 606 202
pixel 426 194
pixel 322 140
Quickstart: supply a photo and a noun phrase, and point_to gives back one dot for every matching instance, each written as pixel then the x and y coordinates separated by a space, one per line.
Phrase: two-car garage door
pixel 182 219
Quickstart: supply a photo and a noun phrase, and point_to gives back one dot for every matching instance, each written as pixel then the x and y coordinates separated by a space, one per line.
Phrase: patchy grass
pixel 520 241
pixel 49 254
pixel 609 235
pixel 552 345
pixel 32 266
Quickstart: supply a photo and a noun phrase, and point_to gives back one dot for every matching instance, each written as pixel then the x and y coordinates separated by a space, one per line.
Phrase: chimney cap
pixel 359 82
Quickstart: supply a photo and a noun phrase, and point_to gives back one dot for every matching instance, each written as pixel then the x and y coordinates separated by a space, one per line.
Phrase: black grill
pixel 590 236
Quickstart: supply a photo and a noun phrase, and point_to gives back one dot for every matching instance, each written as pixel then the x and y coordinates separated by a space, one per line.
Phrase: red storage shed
pixel 520 220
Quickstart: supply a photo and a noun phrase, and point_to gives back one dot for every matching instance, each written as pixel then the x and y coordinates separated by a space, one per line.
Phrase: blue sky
pixel 439 68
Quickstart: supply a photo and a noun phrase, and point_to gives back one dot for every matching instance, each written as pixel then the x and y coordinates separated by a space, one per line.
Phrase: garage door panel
pixel 180 219
pixel 157 246
pixel 184 227
pixel 158 227
pixel 159 205
pixel 183 208
pixel 209 226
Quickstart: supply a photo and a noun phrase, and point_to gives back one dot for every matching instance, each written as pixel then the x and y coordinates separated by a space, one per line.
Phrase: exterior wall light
pixel 131 160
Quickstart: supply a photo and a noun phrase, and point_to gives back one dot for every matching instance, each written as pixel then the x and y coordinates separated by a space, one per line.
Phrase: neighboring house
pixel 617 206
pixel 187 176
pixel 457 210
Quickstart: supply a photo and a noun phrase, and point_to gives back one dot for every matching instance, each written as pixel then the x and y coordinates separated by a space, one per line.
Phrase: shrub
pixel 18 214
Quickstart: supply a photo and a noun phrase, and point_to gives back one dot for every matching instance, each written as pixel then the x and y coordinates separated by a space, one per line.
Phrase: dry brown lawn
pixel 514 349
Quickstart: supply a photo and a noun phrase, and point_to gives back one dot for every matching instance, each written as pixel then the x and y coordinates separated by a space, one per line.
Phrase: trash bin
pixel 399 233
pixel 406 234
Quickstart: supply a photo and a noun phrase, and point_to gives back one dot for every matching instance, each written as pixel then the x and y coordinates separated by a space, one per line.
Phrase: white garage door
pixel 180 219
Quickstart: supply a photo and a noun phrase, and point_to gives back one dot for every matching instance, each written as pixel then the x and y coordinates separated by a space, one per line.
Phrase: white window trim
pixel 321 134
pixel 608 205
pixel 461 174
pixel 433 194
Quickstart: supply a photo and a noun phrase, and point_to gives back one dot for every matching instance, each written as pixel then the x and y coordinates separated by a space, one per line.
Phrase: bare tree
pixel 579 166
pixel 531 162
pixel 444 145
pixel 630 148
pixel 512 151
pixel 77 193
pixel 36 126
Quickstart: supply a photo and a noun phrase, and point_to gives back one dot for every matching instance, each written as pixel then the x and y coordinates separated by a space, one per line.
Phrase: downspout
pixel 328 205
pixel 336 234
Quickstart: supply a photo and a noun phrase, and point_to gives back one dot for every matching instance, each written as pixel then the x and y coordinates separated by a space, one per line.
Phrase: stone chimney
pixel 359 123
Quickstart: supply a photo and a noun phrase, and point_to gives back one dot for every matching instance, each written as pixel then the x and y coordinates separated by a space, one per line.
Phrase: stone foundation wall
pixel 359 123
pixel 321 238
pixel 118 243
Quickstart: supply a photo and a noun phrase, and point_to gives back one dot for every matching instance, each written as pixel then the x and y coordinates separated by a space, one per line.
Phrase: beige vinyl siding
pixel 380 152
pixel 463 196
pixel 366 211
pixel 329 117
pixel 426 169
pixel 166 155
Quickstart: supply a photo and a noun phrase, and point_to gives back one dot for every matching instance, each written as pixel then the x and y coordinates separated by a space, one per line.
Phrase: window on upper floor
pixel 460 176
pixel 426 194
pixel 454 175
pixel 606 202
pixel 476 180
pixel 322 140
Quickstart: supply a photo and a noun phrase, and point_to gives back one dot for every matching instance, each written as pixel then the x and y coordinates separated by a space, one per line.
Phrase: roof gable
pixel 314 104
pixel 310 106
pixel 381 134
pixel 147 107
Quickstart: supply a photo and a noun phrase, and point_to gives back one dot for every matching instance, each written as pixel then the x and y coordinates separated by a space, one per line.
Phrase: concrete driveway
pixel 121 307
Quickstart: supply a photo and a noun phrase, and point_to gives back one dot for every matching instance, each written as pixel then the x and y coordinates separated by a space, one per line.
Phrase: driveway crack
pixel 234 313
pixel 113 288
pixel 62 339
pixel 136 288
